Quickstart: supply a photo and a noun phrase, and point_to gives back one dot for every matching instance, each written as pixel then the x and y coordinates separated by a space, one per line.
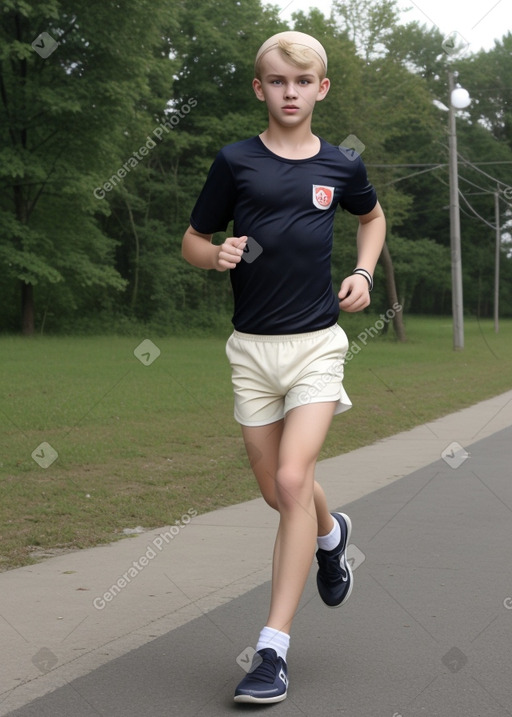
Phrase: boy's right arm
pixel 199 251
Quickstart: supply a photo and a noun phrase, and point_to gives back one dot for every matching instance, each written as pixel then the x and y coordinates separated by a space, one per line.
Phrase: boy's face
pixel 290 92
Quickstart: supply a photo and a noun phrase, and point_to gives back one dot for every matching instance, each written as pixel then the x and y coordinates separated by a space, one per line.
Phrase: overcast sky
pixel 479 22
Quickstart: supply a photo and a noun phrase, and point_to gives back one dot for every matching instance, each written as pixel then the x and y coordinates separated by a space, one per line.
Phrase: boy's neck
pixel 291 142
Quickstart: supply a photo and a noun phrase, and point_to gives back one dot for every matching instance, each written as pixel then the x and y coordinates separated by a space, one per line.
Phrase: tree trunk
pixel 136 263
pixel 27 309
pixel 398 323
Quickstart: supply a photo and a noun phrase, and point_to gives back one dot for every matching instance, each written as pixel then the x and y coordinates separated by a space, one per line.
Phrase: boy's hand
pixel 354 294
pixel 230 253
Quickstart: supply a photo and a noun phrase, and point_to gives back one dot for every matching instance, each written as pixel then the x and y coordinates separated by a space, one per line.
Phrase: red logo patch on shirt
pixel 322 196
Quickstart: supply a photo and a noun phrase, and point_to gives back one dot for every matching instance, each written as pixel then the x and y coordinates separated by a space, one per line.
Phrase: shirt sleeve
pixel 215 205
pixel 360 196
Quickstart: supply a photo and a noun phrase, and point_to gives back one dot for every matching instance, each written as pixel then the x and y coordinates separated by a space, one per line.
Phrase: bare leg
pixel 262 444
pixel 283 457
pixel 324 517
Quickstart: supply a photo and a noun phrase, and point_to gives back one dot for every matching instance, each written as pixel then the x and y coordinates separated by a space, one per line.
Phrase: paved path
pixel 427 630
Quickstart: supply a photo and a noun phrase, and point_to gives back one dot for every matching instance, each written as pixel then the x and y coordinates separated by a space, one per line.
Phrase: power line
pixel 431 167
pixel 477 186
pixel 472 165
pixel 404 165
pixel 475 164
pixel 475 167
pixel 414 174
pixel 492 226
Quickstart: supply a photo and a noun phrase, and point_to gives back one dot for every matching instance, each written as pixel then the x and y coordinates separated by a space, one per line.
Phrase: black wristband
pixel 367 276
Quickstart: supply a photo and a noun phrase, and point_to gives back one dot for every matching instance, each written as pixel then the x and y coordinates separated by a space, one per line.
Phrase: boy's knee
pixel 291 487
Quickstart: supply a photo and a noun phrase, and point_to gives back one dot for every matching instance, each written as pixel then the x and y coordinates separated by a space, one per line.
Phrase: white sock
pixel 332 539
pixel 274 640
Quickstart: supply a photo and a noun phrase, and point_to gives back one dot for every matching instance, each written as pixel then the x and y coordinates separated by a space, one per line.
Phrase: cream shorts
pixel 273 374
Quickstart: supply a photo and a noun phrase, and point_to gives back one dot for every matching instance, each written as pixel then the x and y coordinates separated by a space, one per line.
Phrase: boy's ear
pixel 324 89
pixel 258 91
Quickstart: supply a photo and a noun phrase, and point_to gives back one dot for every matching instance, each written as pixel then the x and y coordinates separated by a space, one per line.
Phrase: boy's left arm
pixel 354 294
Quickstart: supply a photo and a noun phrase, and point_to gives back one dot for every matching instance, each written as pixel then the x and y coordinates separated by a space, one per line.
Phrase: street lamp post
pixel 497 262
pixel 459 101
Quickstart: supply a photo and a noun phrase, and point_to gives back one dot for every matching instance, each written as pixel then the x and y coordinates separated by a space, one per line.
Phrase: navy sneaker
pixel 266 683
pixel 334 578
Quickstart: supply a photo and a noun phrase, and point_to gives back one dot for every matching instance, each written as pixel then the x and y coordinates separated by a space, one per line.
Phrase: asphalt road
pixel 426 631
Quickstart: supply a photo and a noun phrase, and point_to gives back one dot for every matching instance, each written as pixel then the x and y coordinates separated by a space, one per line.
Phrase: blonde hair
pixel 298 55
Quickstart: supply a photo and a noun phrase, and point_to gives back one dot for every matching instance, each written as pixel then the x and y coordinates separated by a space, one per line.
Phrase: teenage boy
pixel 282 189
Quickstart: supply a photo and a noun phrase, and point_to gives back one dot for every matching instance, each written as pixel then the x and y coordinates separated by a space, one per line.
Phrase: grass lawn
pixel 140 442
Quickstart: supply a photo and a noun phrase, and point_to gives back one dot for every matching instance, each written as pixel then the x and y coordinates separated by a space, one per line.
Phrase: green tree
pixel 91 227
pixel 74 86
pixel 367 24
pixel 488 75
pixel 215 47
pixel 392 116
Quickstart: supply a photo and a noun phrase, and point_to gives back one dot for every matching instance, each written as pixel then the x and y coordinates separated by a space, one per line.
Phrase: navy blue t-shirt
pixel 283 285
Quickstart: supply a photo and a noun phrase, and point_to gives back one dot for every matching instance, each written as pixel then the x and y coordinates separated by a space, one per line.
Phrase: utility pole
pixel 457 300
pixel 497 262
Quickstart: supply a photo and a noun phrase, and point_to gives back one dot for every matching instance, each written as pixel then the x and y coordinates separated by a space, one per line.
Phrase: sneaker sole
pixel 348 523
pixel 260 700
